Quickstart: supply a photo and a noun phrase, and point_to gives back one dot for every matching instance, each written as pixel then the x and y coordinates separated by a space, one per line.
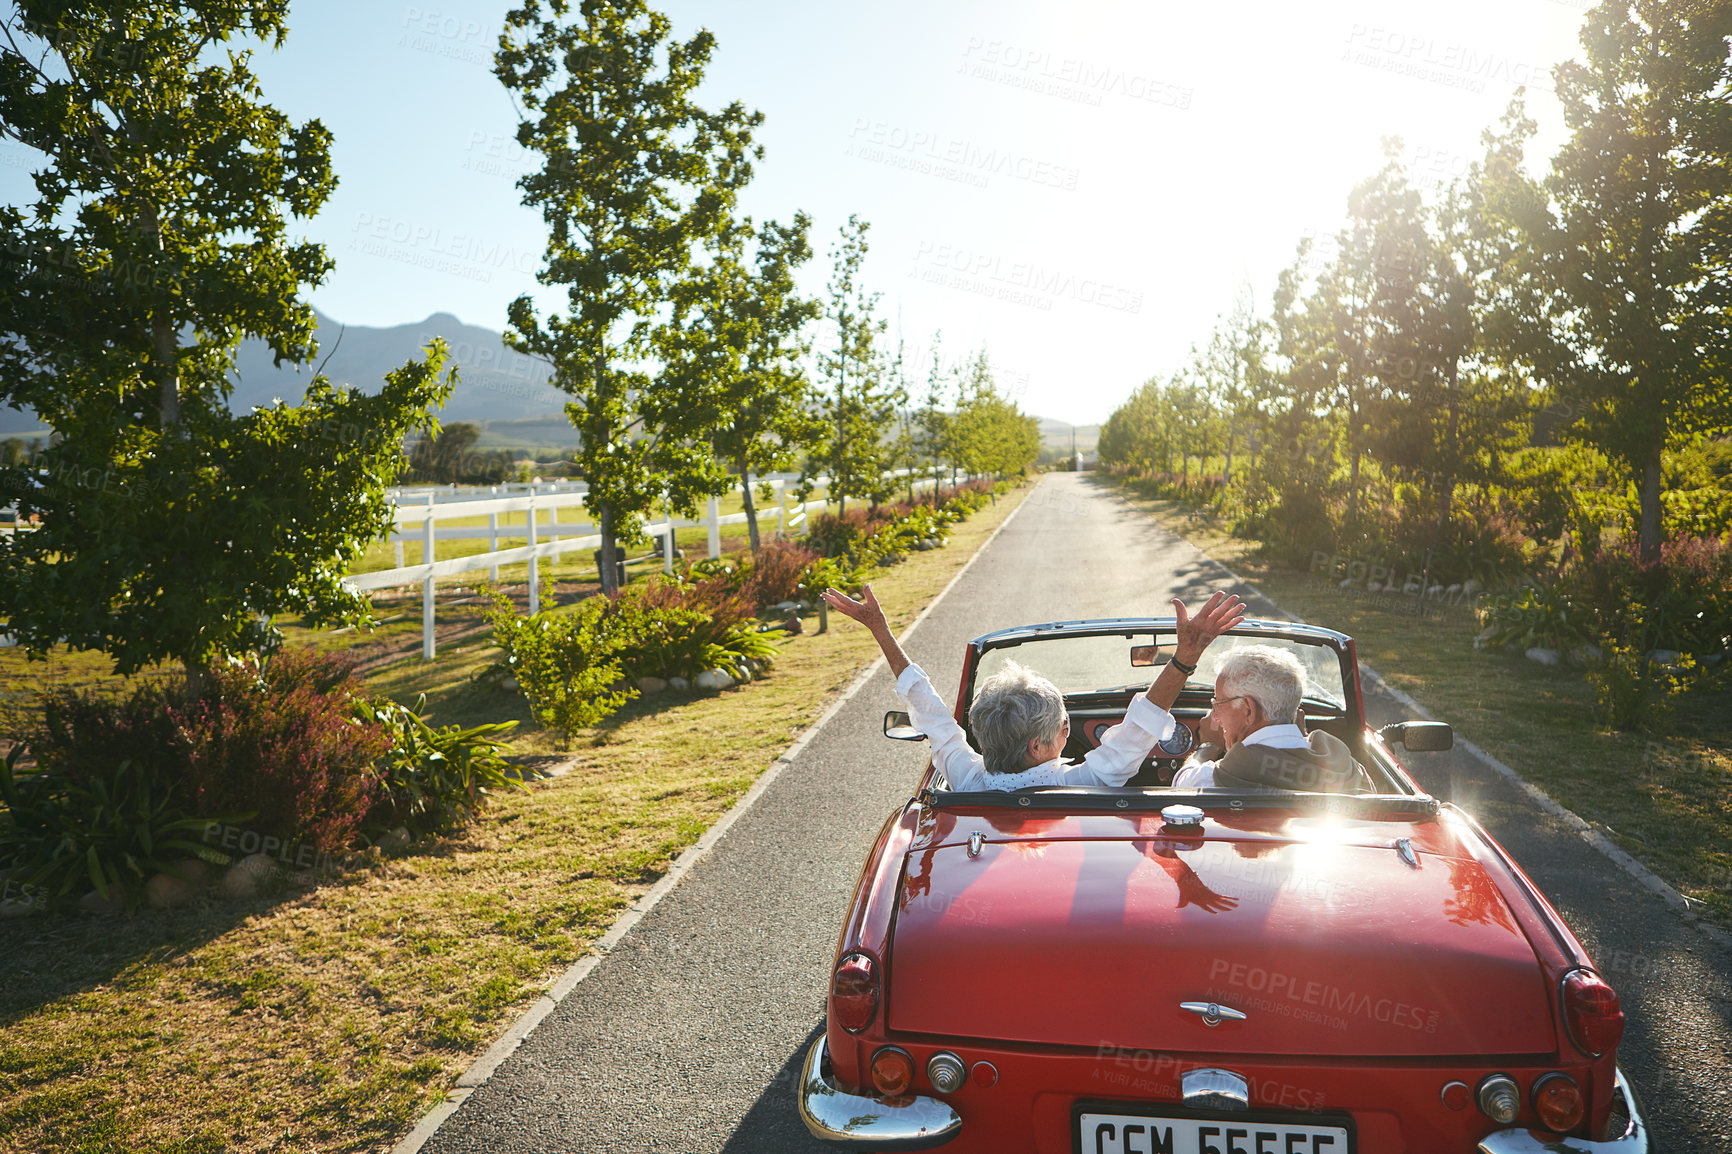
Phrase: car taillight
pixel 1558 1102
pixel 854 992
pixel 892 1071
pixel 1591 1013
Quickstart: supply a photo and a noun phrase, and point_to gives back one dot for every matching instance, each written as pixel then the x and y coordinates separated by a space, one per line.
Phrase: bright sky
pixel 1080 188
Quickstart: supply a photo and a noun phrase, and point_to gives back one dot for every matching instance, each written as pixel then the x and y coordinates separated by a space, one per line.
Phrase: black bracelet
pixel 1187 670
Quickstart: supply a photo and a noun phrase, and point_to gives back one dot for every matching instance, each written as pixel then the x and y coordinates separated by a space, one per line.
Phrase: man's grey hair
pixel 1271 677
pixel 1014 705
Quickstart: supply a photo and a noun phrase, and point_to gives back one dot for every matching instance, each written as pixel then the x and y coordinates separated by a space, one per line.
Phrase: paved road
pixel 689 1036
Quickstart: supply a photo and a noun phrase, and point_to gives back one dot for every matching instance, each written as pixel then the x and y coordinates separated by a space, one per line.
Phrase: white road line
pixel 484 1066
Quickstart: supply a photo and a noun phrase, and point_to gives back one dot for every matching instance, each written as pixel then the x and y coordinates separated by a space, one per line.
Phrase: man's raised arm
pixel 1219 613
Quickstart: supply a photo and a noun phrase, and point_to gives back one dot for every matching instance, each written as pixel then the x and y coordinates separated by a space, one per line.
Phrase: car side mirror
pixel 898 726
pixel 1420 736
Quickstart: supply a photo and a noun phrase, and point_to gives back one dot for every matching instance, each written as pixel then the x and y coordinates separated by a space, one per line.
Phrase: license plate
pixel 1105 1133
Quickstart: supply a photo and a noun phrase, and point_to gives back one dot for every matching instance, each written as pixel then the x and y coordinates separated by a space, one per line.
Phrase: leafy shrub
pixel 722 574
pixel 433 780
pixel 1635 691
pixel 1536 616
pixel 826 573
pixel 561 661
pixel 679 629
pixel 112 831
pixel 82 734
pixel 279 742
pixel 284 743
pixel 842 536
pixel 576 667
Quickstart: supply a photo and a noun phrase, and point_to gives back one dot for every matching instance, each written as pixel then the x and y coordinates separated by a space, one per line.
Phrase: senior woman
pixel 1019 716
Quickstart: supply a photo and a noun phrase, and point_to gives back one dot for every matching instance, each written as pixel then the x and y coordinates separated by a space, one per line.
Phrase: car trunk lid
pixel 1327 947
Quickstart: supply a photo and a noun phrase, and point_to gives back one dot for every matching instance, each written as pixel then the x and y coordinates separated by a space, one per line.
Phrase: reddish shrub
pixel 1682 601
pixel 285 746
pixel 777 572
pixel 721 597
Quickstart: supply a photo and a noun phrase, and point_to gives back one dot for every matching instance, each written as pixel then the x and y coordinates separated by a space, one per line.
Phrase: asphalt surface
pixel 689 1035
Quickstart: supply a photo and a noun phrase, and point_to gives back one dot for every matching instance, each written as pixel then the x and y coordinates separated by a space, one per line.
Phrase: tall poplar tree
pixel 859 402
pixel 1632 250
pixel 736 345
pixel 171 528
pixel 635 176
pixel 1233 364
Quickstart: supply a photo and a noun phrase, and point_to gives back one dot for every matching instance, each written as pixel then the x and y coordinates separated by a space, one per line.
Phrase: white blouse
pixel 1113 762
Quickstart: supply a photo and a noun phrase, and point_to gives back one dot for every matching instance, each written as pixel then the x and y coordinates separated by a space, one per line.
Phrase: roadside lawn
pixel 1665 797
pixel 332 1018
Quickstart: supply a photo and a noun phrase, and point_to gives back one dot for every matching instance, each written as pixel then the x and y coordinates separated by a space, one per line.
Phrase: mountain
pixel 505 392
pixel 494 383
pixel 1056 437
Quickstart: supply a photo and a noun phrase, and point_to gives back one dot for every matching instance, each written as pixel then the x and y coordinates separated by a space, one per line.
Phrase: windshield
pixel 1100 664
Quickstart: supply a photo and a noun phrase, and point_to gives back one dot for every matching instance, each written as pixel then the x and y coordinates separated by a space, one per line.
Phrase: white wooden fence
pixel 547 538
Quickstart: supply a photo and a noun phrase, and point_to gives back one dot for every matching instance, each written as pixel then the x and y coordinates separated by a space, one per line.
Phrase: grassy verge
pixel 330 1019
pixel 1665 797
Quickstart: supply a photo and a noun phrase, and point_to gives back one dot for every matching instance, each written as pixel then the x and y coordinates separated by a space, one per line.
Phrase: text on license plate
pixel 1137 1134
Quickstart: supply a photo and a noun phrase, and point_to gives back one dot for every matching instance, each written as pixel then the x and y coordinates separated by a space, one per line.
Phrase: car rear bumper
pixel 1634 1139
pixel 858 1122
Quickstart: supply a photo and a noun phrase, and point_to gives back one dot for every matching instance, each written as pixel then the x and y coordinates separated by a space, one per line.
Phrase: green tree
pixel 989 434
pixel 1140 432
pixel 932 420
pixel 1233 365
pixel 737 341
pixel 1453 400
pixel 635 176
pixel 1630 244
pixel 441 458
pixel 1299 461
pixel 170 527
pixel 1198 426
pixel 860 402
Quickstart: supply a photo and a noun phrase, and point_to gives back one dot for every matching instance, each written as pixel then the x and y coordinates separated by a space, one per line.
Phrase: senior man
pixel 1255 715
pixel 1019 716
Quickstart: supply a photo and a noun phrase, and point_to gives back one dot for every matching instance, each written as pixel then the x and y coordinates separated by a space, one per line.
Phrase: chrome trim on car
pixel 858 1122
pixel 976 842
pixel 946 1072
pixel 1215 1089
pixel 1177 743
pixel 1404 847
pixel 1182 816
pixel 1213 1013
pixel 1634 1139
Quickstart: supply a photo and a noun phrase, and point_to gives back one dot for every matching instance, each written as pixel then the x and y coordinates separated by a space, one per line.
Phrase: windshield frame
pixel 1338 643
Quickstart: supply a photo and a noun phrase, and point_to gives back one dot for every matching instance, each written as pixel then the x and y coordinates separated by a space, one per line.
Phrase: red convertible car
pixel 1216 971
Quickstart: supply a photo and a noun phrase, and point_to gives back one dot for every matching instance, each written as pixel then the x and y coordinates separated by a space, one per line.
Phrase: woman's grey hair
pixel 1271 677
pixel 1014 705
